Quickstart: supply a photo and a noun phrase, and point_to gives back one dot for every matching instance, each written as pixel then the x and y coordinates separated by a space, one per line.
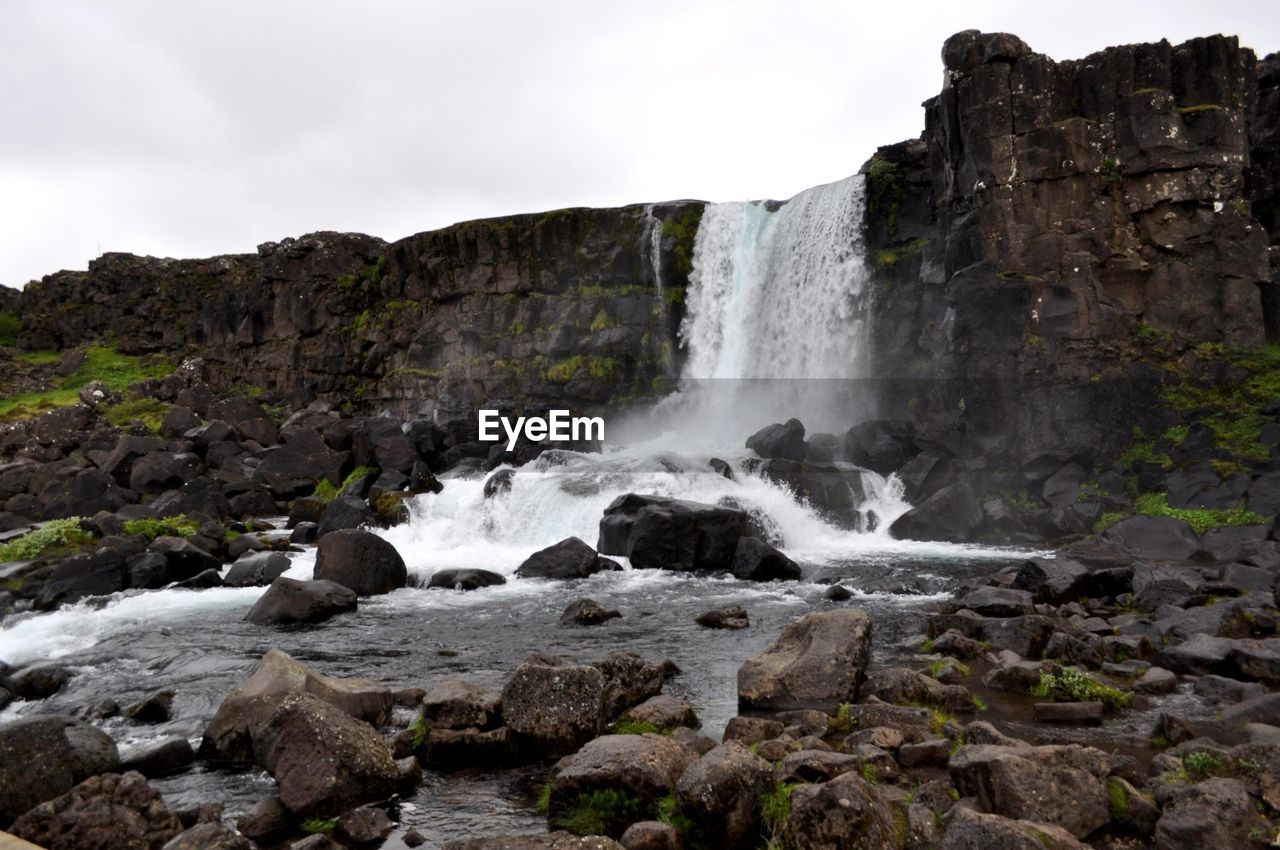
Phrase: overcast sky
pixel 191 129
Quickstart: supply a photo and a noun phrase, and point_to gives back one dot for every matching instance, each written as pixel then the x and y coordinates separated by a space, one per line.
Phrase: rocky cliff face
pixel 575 306
pixel 1054 219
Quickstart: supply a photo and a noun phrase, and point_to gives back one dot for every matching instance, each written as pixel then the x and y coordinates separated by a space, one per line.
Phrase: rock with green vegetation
pixel 720 793
pixel 663 712
pixel 817 662
pixel 1217 812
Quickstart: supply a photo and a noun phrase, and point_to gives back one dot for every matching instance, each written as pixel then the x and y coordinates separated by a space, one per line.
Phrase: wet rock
pixel 360 560
pixel 645 767
pixel 956 645
pixel 110 810
pixel 154 708
pixel 1067 712
pixel 733 617
pixel 156 472
pixel 755 560
pixel 587 612
pixel 663 712
pixel 550 841
pixel 934 753
pixel 209 836
pixel 882 445
pixel 817 662
pixel 817 765
pixel 837 593
pixel 672 534
pixel 183 558
pixel 1156 680
pixel 1162 538
pixel 953 513
pixel 901 686
pixel 1213 813
pixel 834 490
pixel 970 830
pixel 823 815
pixel 553 710
pixel 291 602
pixel 719 793
pixel 651 835
pixel 629 680
pixel 1059 785
pixel 97 573
pixel 569 559
pixel 323 759
pixel 1220 690
pixel 498 483
pixel 45 755
pixel 363 825
pixel 465 579
pixel 229 737
pixel 39 682
pixel 316 842
pixel 780 440
pixel 161 758
pixel 457 704
pixel 256 568
pixel 413 838
pixel 915 724
pixel 305 533
pixel 470 748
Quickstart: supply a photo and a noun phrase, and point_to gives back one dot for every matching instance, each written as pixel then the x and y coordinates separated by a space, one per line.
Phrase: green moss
pixel 979 704
pixel 683 229
pixel 670 813
pixel 563 371
pixel 543 803
pixel 321 826
pixel 1143 450
pixel 843 722
pixel 1151 335
pixel 888 257
pixel 1149 90
pixel 1073 685
pixel 603 812
pixel 101 363
pixel 1199 107
pixel 674 295
pixel 636 727
pixel 886 190
pixel 869 773
pixel 775 810
pixel 1119 801
pixel 360 323
pixel 149 411
pixel 326 492
pixel 54 534
pixel 602 321
pixel 419 730
pixel 1200 519
pixel 516 329
pixel 10 327
pixel 177 526
pixel 602 368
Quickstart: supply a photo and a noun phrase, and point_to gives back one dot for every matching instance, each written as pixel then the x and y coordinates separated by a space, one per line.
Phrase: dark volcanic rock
pixel 661 533
pixel 817 662
pixel 780 440
pixel 569 559
pixel 91 574
pixel 360 560
pixel 161 758
pixel 755 560
pixel 289 602
pixel 45 755
pixel 111 810
pixel 256 568
pixel 587 612
pixel 645 767
pixel 733 617
pixel 553 710
pixel 465 579
pixel 1164 538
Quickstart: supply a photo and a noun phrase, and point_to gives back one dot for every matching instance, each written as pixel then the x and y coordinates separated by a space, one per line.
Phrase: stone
pixel 952 514
pixel 824 815
pixel 901 686
pixel 1159 537
pixel 345 512
pixel 672 534
pixel 755 560
pixel 587 612
pixel 360 560
pixel 1054 580
pixel 663 712
pixel 882 445
pixel 97 573
pixel 554 710
pixel 780 440
pixel 651 835
pixel 733 617
pixel 470 748
pixel 183 558
pixel 45 755
pixel 998 602
pixel 1156 680
pixel 154 708
pixel 970 830
pixel 323 759
pixel 229 737
pixel 457 704
pixel 719 793
pixel 305 533
pixel 166 756
pixel 751 730
pixel 363 825
pixel 108 810
pixel 1214 813
pixel 1068 712
pixel 256 568
pixel 815 765
pixel 498 483
pixel 817 662
pixel 464 579
pixel 569 559
pixel 39 681
pixel 290 601
pixel 645 767
pixel 932 753
pixel 629 680
pixel 208 836
pixel 552 841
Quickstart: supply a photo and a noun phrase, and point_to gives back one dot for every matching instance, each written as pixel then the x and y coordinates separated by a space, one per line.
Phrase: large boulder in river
pixel 817 662
pixel 254 569
pixel 673 534
pixel 44 755
pixel 755 560
pixel 465 579
pixel 90 574
pixel 229 737
pixel 290 602
pixel 110 810
pixel 324 760
pixel 360 560
pixel 970 830
pixel 782 440
pixel 881 445
pixel 570 558
pixel 720 794
pixel 644 767
pixel 554 709
pixel 952 514
pixel 835 490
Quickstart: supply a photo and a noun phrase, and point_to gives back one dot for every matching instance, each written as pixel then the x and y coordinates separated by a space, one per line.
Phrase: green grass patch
pixel 543 803
pixel 775 811
pixel 1119 799
pixel 326 492
pixel 602 322
pixel 149 411
pixel 101 363
pixel 10 327
pixel 319 826
pixel 563 371
pixel 603 812
pixel 670 813
pixel 1073 685
pixel 843 722
pixel 637 727
pixel 176 526
pixel 1200 519
pixel 869 773
pixel 1200 107
pixel 419 729
pixel 54 534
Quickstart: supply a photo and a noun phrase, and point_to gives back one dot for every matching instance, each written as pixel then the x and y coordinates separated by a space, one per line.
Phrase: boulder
pixel 1159 537
pixel 498 483
pixel 156 472
pixel 183 559
pixel 228 737
pixel 835 490
pixel 265 820
pixel 45 755
pixel 465 579
pixel 456 704
pixel 209 836
pixel 825 815
pixel 571 558
pixel 363 825
pixel 733 617
pixel 817 662
pixel 344 512
pixel 953 513
pixel 255 568
pixel 720 794
pixel 109 810
pixel 553 710
pixel 153 708
pixel 161 758
pixel 629 680
pixel 587 612
pixel 882 445
pixel 98 573
pixel 40 681
pixel 1059 785
pixel 673 534
pixel 970 830
pixel 901 686
pixel 652 835
pixel 998 602
pixel 469 748
pixel 644 767
pixel 755 560
pixel 290 602
pixel 551 841
pixel 1055 580
pixel 663 712
pixel 780 440
pixel 323 759
pixel 1214 813
pixel 360 560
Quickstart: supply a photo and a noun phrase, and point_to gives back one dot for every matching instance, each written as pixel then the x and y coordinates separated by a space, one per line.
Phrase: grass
pixel 543 803
pixel 1233 410
pixel 326 492
pixel 603 812
pixel 1119 799
pixel 1200 519
pixel 1073 685
pixel 101 363
pixel 10 327
pixel 52 535
pixel 637 727
pixel 149 411
pixel 937 666
pixel 419 729
pixel 869 773
pixel 843 722
pixel 602 321
pixel 670 813
pixel 177 526
pixel 775 811
pixel 321 826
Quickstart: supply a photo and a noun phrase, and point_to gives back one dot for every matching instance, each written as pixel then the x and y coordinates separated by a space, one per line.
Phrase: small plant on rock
pixel 603 812
pixel 1072 685
pixel 775 811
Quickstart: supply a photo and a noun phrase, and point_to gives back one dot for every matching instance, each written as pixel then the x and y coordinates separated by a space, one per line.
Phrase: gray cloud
pixel 184 129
